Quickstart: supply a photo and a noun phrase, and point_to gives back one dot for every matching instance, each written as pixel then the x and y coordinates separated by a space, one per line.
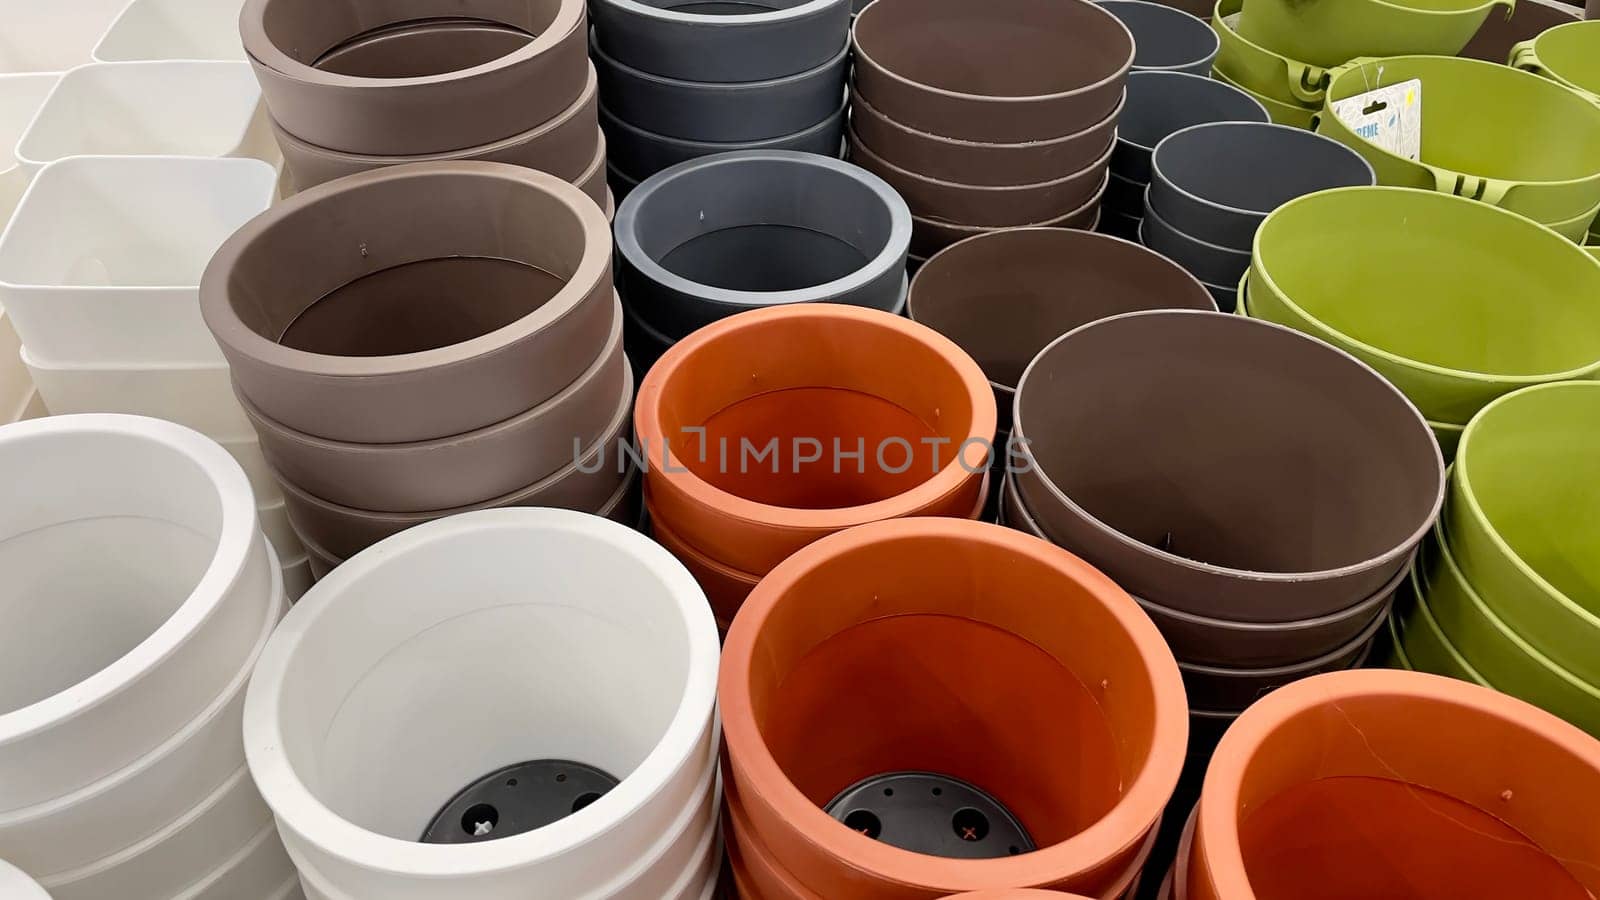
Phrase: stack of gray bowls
pixel 1212 185
pixel 678 82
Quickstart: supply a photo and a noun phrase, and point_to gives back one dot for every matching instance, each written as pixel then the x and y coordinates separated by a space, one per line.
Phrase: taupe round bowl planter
pixel 724 234
pixel 976 163
pixel 991 207
pixel 564 146
pixel 640 153
pixel 267 277
pixel 723 111
pixel 1233 690
pixel 439 94
pixel 459 470
pixel 929 236
pixel 1002 71
pixel 1223 466
pixel 1003 296
pixel 1160 103
pixel 670 38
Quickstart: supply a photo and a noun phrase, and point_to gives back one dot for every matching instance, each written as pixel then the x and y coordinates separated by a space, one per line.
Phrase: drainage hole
pixel 865 822
pixel 584 800
pixel 888 792
pixel 560 778
pixel 969 824
pixel 511 782
pixel 480 820
pixel 1013 850
pixel 938 791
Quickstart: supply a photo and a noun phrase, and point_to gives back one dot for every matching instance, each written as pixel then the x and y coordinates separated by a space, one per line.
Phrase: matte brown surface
pixel 284 261
pixel 1233 689
pixel 1529 19
pixel 929 236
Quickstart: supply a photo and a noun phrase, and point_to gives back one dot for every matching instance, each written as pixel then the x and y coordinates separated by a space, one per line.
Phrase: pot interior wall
pixel 1571 54
pixel 961 659
pixel 952 45
pixel 764 258
pixel 444 664
pixel 96 558
pixel 722 7
pixel 308 30
pixel 1230 443
pixel 423 48
pixel 1243 166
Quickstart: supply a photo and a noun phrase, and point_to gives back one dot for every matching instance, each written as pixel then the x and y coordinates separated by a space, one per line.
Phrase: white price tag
pixel 1390 117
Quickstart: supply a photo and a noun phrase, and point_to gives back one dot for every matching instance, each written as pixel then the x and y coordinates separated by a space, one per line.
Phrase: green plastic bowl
pixel 1455 302
pixel 1425 646
pixel 1568 54
pixel 1260 71
pixel 1328 32
pixel 1576 229
pixel 1493 649
pixel 1522 518
pixel 1397 652
pixel 1489 132
pixel 1281 113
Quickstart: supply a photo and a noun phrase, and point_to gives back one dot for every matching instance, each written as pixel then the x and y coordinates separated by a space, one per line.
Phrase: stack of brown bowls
pixel 472 358
pixel 988 116
pixel 380 84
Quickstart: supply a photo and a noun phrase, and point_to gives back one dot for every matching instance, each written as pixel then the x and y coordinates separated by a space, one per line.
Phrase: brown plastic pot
pixel 458 470
pixel 1233 690
pixel 1380 783
pixel 827 372
pixel 1005 71
pixel 309 351
pixel 976 163
pixel 994 207
pixel 1225 467
pixel 435 90
pixel 564 146
pixel 929 236
pixel 1003 296
pixel 585 484
pixel 890 646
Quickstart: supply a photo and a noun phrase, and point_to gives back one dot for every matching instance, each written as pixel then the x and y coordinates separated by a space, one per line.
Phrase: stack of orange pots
pixel 770 429
pixel 949 659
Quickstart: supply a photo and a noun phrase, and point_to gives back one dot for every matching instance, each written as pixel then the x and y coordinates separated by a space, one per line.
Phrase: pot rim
pixel 709 148
pixel 236 537
pixel 301 810
pixel 1155 164
pixel 1401 548
pixel 1371 604
pixel 719 87
pixel 858 146
pixel 958 143
pixel 973 230
pixel 648 425
pixel 1162 9
pixel 1266 117
pixel 1150 213
pixel 230 330
pixel 1258 267
pixel 1218 818
pixel 1354 644
pixel 711 20
pixel 1135 812
pixel 1429 622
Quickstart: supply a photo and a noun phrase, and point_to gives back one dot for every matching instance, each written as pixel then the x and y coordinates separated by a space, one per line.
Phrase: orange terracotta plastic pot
pixel 799 382
pixel 1015 894
pixel 1382 783
pixel 725 587
pixel 962 649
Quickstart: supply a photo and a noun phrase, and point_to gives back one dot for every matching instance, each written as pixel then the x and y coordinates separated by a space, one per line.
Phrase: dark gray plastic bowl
pixel 1166 39
pixel 641 153
pixel 1207 262
pixel 1160 103
pixel 676 39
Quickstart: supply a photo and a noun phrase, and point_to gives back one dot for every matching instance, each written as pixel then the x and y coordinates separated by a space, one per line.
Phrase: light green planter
pixel 1496 652
pixel 1455 302
pixel 1280 112
pixel 1263 72
pixel 1568 54
pixel 1489 133
pixel 1576 229
pixel 1397 652
pixel 1328 32
pixel 1425 646
pixel 1522 518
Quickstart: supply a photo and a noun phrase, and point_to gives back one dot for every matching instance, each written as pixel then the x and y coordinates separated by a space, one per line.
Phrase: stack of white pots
pixel 173 29
pixel 423 680
pixel 99 273
pixel 138 593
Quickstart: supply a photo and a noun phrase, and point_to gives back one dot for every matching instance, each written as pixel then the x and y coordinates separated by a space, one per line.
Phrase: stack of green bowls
pixel 1506 592
pixel 1456 302
pixel 1281 50
pixel 1568 55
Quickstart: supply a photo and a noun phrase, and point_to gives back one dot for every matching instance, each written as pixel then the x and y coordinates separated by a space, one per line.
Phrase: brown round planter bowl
pixel 1224 466
pixel 975 163
pixel 1233 690
pixel 564 146
pixel 1004 71
pixel 434 93
pixel 929 236
pixel 422 369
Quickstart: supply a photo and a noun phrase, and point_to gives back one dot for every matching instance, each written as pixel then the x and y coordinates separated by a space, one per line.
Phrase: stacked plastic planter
pixel 379 407
pixel 1382 784
pixel 507 703
pixel 139 592
pixel 173 29
pixel 898 700
pixel 991 116
pixel 1211 185
pixel 1507 592
pixel 1566 55
pixel 1418 291
pixel 681 81
pixel 21 95
pixel 386 84
pixel 770 429
pixel 1165 41
pixel 53 37
pixel 1531 18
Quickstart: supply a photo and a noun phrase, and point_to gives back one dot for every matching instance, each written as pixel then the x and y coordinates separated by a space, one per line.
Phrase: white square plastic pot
pixel 173 29
pixel 136 582
pixel 196 396
pixel 52 35
pixel 20 99
pixel 16 385
pixel 154 108
pixel 102 261
pixel 32 408
pixel 385 691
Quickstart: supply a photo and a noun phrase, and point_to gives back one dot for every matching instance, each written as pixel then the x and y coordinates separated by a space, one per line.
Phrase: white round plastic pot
pixel 16 885
pixel 255 870
pixel 136 581
pixel 20 98
pixel 196 396
pixel 157 108
pixel 52 36
pixel 173 29
pixel 84 276
pixel 611 662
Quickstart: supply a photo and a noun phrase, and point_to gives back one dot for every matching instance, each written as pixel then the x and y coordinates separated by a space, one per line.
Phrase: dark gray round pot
pixel 674 39
pixel 1167 39
pixel 1160 103
pixel 642 153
